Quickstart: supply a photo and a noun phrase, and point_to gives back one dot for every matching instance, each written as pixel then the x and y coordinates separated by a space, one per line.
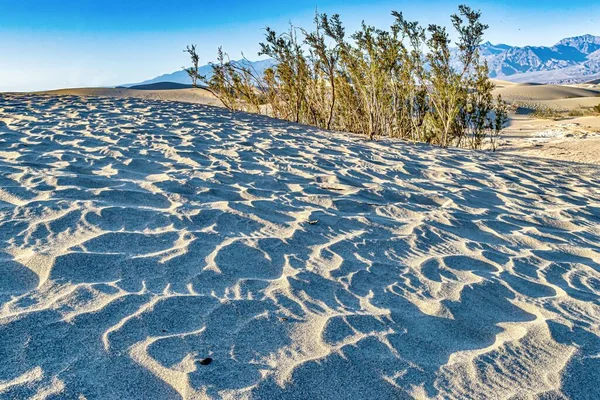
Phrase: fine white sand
pixel 529 91
pixel 197 95
pixel 568 138
pixel 140 237
pixel 557 97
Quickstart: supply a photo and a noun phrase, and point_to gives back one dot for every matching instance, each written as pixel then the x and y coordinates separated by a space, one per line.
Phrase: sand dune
pixel 528 91
pixel 572 139
pixel 166 93
pixel 161 86
pixel 569 138
pixel 500 84
pixel 569 104
pixel 141 237
pixel 169 91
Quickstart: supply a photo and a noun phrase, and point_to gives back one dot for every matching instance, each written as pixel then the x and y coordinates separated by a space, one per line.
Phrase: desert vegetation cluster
pixel 401 82
pixel 542 111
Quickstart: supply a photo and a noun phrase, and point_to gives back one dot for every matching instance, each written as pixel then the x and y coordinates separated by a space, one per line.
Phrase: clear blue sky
pixel 47 44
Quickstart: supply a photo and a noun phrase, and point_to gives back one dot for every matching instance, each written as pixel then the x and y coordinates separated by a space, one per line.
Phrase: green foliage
pixel 234 85
pixel 576 113
pixel 193 71
pixel 399 82
pixel 289 79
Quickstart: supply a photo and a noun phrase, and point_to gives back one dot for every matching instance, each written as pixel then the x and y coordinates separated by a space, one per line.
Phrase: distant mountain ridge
pixel 182 77
pixel 571 60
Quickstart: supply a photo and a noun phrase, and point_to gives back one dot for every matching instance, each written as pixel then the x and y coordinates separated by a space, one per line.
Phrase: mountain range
pixel 182 77
pixel 571 60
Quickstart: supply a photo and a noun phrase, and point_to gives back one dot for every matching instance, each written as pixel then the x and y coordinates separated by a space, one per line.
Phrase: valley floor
pixel 569 139
pixel 142 239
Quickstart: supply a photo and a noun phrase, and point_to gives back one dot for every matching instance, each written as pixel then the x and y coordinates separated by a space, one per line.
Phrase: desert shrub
pixel 546 112
pixel 290 80
pixel 193 71
pixel 400 82
pixel 235 85
pixel 576 113
pixel 539 110
pixel 543 111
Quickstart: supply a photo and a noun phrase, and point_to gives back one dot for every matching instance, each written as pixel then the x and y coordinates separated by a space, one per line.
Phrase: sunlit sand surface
pixel 141 237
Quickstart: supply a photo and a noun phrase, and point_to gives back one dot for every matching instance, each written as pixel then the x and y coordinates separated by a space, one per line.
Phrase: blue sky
pixel 47 44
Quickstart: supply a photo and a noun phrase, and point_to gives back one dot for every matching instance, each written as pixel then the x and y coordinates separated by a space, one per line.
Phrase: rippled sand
pixel 140 237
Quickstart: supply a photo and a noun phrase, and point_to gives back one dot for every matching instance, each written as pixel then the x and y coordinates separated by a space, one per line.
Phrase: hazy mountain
pixel 586 44
pixel 572 60
pixel 488 49
pixel 575 59
pixel 182 77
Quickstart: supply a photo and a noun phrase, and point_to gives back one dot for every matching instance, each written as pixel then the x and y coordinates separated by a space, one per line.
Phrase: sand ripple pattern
pixel 139 237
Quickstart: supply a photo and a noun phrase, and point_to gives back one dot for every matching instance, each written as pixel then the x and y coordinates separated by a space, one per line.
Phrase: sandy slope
pixel 571 103
pixel 140 237
pixel 198 96
pixel 562 98
pixel 570 138
pixel 528 91
pixel 575 139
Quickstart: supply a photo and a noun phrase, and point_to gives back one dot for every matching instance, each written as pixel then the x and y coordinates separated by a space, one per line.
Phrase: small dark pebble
pixel 205 361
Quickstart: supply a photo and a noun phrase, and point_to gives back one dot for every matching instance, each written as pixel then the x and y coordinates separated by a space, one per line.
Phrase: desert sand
pixel 534 91
pixel 141 238
pixel 197 95
pixel 568 138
